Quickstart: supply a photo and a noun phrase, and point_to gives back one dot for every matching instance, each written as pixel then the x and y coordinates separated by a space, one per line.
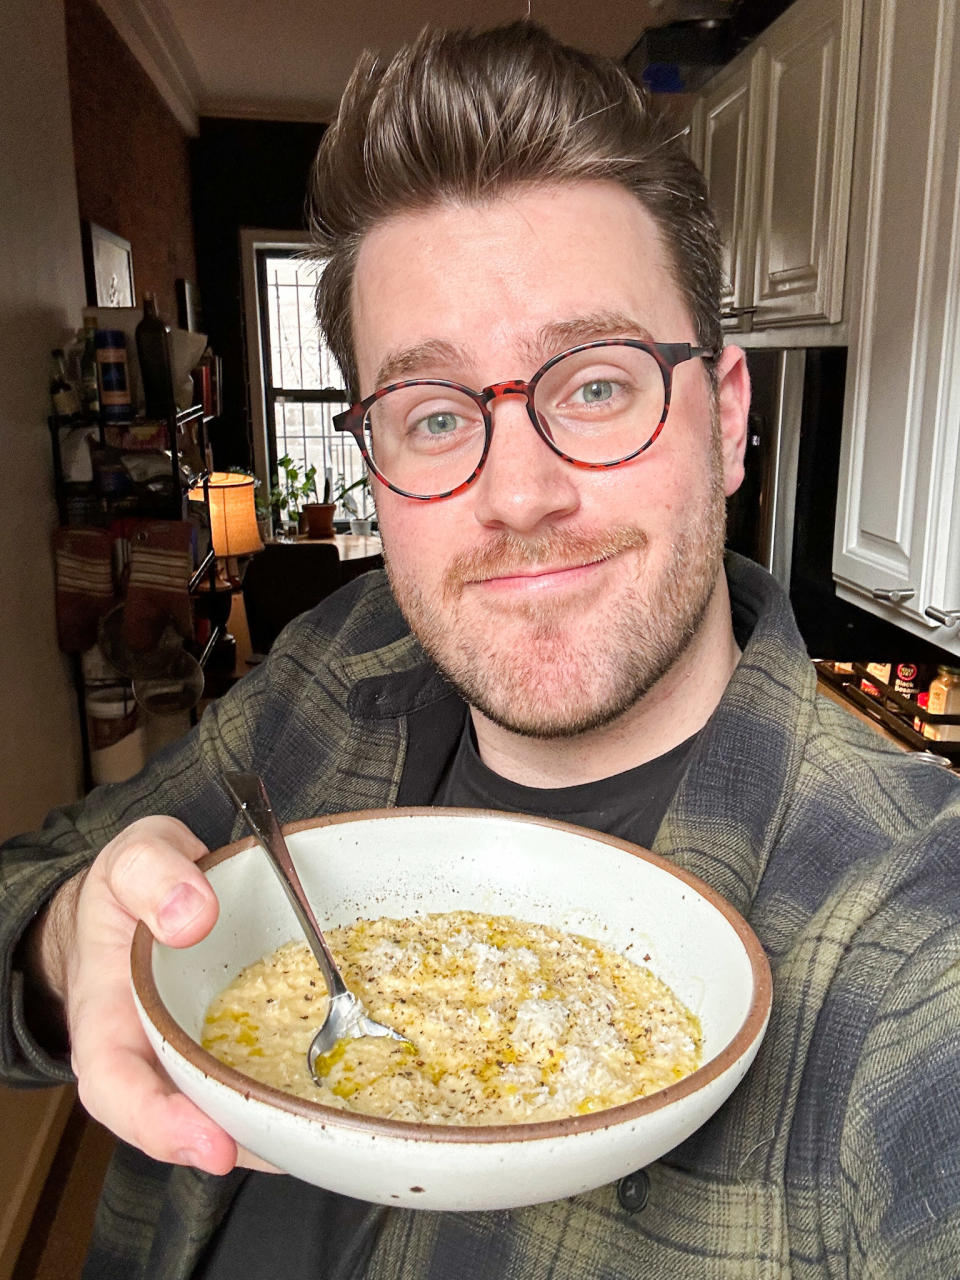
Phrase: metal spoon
pixel 346 1018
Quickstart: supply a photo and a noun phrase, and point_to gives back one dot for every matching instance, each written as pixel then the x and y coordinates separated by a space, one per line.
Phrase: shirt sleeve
pixel 900 1146
pixel 181 781
pixel 289 720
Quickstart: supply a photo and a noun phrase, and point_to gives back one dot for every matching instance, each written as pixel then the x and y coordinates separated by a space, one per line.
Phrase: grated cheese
pixel 511 1022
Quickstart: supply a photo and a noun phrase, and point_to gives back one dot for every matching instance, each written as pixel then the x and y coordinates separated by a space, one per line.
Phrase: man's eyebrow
pixel 422 359
pixel 559 335
pixel 412 362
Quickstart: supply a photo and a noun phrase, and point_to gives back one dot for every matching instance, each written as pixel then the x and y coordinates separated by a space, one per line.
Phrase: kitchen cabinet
pixel 897 543
pixel 775 132
pixel 721 133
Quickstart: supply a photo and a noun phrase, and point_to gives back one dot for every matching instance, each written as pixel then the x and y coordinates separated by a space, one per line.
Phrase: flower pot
pixel 319 518
pixel 361 526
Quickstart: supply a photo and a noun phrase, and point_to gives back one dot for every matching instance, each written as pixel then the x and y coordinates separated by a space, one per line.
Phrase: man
pixel 502 217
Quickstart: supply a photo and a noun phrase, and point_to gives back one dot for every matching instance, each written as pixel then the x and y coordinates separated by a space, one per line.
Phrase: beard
pixel 557 668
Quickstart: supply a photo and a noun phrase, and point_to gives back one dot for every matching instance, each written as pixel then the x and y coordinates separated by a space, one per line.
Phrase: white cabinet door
pixel 806 100
pixel 728 160
pixel 940 585
pixel 897 546
pixel 778 131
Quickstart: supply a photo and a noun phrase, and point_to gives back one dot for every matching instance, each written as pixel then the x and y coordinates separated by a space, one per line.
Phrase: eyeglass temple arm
pixel 674 353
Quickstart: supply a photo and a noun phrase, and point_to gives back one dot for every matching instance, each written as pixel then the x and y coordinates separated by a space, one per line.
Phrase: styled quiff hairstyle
pixel 459 116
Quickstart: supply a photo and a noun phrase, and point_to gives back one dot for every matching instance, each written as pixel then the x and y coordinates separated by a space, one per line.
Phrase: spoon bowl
pixel 346 1018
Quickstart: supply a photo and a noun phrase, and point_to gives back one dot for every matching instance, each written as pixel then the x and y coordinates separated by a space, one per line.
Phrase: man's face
pixel 551 597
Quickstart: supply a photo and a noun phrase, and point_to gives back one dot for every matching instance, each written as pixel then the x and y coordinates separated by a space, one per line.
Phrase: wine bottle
pixel 153 348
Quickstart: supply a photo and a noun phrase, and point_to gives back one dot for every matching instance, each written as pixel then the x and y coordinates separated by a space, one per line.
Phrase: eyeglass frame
pixel 667 355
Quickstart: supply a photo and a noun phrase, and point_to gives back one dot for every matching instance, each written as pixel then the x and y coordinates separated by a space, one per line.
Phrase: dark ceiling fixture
pixel 696 39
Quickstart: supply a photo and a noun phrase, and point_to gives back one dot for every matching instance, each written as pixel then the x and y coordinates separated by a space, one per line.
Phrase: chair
pixel 283 581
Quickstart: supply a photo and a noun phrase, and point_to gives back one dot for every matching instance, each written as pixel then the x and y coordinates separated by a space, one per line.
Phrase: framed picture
pixel 189 314
pixel 108 267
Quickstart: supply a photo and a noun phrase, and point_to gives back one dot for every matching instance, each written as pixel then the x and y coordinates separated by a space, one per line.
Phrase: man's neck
pixel 678 705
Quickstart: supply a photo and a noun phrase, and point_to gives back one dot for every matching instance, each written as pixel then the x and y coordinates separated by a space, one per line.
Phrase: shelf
pixel 200 572
pixel 215 635
pixel 85 504
pixel 891 709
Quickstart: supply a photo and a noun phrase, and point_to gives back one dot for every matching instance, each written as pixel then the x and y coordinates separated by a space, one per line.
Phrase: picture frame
pixel 108 267
pixel 189 311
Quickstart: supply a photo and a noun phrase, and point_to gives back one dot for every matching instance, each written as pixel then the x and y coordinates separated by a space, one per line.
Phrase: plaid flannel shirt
pixel 838 1155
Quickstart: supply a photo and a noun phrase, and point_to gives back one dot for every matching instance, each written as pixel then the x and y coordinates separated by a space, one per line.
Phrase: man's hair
pixel 463 116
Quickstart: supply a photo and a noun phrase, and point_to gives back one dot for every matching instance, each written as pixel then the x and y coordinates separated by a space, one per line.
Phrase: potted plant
pixel 317 514
pixel 355 500
pixel 285 495
pixel 293 497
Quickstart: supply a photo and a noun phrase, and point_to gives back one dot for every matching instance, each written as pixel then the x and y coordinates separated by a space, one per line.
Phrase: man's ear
pixel 733 407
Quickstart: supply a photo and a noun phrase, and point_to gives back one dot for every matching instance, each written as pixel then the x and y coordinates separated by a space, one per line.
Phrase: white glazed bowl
pixel 403 862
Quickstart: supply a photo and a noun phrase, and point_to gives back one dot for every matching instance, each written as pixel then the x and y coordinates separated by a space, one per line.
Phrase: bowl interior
pixel 403 863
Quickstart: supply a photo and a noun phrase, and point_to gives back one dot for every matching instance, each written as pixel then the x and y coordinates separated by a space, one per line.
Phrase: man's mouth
pixel 511 564
pixel 538 577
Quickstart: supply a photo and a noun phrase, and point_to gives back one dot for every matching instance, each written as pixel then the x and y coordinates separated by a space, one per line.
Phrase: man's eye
pixel 596 391
pixel 437 424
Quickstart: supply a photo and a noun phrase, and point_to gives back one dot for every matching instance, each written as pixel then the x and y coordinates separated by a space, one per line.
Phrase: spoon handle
pixel 253 804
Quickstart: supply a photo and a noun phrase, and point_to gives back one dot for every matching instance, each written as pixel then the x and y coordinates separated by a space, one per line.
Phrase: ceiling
pixel 289 59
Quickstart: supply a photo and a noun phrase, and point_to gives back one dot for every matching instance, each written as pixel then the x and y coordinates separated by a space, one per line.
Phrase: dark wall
pixel 132 158
pixel 245 174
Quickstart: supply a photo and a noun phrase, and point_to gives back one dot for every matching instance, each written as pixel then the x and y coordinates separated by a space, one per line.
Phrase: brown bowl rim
pixel 171 1031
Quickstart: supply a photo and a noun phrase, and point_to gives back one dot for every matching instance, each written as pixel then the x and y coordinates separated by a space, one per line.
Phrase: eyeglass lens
pixel 595 406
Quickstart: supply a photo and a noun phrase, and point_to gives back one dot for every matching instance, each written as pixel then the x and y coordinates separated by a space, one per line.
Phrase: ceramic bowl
pixel 403 862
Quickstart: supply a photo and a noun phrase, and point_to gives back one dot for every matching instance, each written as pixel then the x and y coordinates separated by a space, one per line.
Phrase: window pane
pixel 305 432
pixel 299 359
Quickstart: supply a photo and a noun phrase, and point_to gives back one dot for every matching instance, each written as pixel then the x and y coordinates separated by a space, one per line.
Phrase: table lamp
pixel 233 516
pixel 234 534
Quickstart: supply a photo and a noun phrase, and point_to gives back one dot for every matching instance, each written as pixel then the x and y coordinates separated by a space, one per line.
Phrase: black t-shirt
pixel 280 1226
pixel 630 805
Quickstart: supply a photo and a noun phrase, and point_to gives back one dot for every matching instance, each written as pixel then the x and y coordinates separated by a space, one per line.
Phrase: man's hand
pixel 146 873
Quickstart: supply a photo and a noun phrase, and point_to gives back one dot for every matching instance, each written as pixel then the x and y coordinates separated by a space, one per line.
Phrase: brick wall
pixel 132 156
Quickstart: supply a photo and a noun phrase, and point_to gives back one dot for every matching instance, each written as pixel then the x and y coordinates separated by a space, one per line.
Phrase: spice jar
pixel 944 701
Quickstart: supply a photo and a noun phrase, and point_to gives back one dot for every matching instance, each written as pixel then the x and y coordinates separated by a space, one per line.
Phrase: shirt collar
pixel 725 815
pixel 730 806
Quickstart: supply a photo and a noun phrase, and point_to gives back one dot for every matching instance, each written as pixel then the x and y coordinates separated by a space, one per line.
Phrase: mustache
pixel 506 553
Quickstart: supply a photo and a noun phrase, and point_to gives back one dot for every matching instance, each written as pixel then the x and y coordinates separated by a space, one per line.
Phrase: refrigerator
pixel 784 514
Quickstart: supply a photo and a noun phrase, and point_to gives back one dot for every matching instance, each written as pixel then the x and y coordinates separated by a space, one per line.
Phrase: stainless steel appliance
pixel 760 515
pixel 785 512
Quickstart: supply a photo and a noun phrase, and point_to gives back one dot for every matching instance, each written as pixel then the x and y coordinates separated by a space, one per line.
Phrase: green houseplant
pixel 292 495
pixel 355 498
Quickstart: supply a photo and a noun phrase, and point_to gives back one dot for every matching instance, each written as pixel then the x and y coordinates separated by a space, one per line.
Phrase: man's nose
pixel 523 482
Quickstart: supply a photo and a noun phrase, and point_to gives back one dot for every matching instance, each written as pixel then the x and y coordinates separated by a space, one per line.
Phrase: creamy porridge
pixel 511 1021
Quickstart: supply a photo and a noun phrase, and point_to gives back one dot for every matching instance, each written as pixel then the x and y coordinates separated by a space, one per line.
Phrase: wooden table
pixel 350 546
pixel 357 546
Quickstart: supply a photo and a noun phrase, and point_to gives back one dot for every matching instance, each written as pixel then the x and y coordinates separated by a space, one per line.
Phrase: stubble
pixel 550 668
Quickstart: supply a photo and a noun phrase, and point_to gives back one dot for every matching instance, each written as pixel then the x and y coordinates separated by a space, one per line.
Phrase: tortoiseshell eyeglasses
pixel 597 405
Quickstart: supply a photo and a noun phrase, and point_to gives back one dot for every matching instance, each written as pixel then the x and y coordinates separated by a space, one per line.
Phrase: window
pixel 302 384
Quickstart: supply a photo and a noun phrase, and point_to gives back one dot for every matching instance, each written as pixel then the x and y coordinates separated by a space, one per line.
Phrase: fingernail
pixel 179 908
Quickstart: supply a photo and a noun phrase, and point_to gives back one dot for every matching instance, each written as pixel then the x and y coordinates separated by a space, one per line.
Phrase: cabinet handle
pixel 733 312
pixel 946 617
pixel 893 595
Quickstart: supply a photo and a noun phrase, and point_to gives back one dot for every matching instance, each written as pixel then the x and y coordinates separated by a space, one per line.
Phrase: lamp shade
pixel 233 515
